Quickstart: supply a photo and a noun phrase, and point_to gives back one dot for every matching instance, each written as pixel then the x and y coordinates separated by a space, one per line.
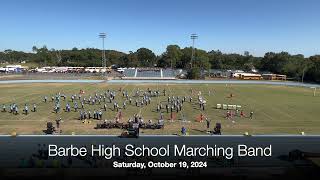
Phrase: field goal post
pixel 314 90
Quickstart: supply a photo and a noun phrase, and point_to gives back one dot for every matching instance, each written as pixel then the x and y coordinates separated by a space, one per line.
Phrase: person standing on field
pixel 58 122
pixel 208 123
pixel 4 108
pixel 183 130
pixel 251 114
pixel 241 114
pixel 26 109
pixel 34 107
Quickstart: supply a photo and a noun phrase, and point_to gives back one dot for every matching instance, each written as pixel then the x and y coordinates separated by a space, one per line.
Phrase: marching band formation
pixel 95 106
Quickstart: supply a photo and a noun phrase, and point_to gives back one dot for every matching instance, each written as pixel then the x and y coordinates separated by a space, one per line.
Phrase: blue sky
pixel 256 26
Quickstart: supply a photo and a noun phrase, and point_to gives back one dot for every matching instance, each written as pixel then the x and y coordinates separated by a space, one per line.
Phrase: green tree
pixel 313 73
pixel 275 62
pixel 146 57
pixel 171 57
pixel 194 73
pixel 201 60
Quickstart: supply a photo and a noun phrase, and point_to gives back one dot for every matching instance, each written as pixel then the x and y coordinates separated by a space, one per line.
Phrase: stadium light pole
pixel 193 37
pixel 103 60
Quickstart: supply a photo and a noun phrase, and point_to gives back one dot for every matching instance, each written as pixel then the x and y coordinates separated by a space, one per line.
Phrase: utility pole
pixel 193 37
pixel 303 72
pixel 103 60
pixel 58 54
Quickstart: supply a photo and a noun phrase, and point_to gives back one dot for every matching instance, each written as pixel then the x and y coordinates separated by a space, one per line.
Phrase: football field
pixel 276 109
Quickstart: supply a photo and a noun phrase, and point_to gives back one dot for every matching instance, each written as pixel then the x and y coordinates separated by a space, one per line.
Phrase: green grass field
pixel 277 109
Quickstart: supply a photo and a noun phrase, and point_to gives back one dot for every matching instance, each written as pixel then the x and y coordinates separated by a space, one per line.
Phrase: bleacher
pixel 168 73
pixel 148 73
pixel 129 72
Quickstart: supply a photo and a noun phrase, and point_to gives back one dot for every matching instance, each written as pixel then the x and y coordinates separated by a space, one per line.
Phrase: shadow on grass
pixel 198 130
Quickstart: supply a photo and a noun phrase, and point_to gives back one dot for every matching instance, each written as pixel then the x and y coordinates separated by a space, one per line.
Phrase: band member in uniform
pixel 26 109
pixel 4 108
pixel 58 122
pixel 89 114
pixel 251 114
pixel 34 107
pixel 208 123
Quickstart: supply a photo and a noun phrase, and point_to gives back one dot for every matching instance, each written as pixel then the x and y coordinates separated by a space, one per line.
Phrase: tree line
pixel 294 66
